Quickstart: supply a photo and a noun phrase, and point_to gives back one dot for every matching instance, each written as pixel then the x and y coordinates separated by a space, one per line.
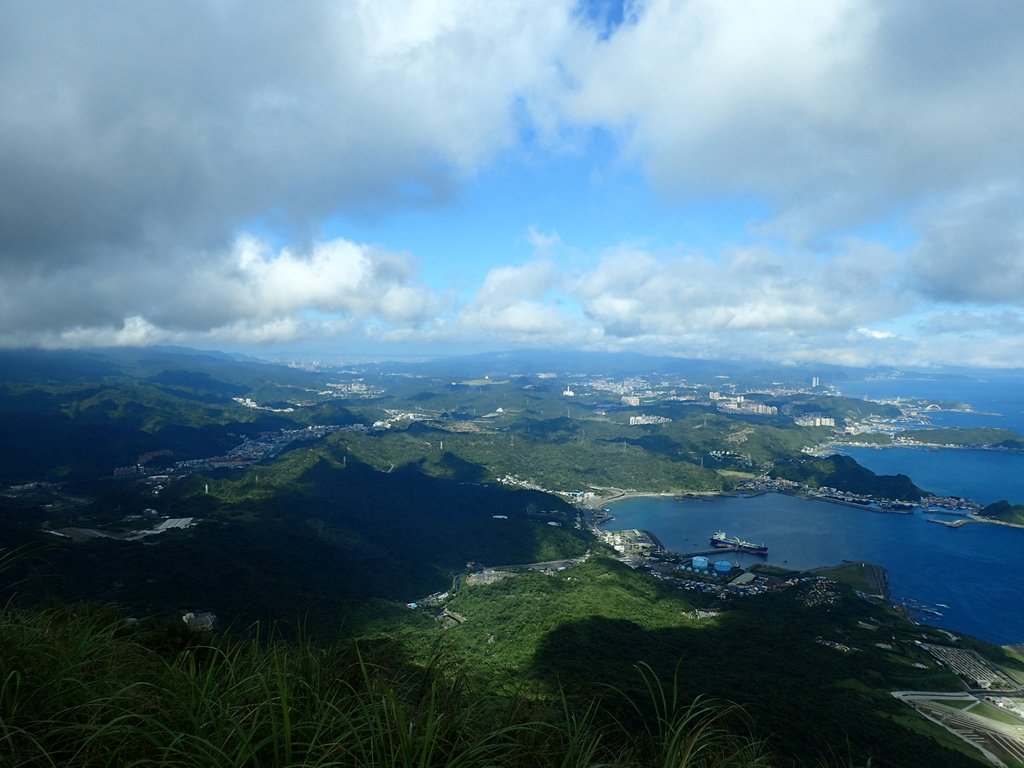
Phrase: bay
pixel 976 569
pixel 984 476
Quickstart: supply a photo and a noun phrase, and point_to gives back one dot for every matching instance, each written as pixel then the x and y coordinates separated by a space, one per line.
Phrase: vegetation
pixel 559 454
pixel 83 689
pixel 845 474
pixel 317 536
pixel 1005 511
pixel 596 664
pixel 839 407
pixel 863 577
pixel 583 632
pixel 980 437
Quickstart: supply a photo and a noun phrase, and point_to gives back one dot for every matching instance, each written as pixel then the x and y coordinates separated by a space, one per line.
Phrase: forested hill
pixel 845 474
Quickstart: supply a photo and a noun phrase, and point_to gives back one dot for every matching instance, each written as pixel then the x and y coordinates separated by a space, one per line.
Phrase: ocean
pixel 998 400
pixel 976 569
pixel 985 476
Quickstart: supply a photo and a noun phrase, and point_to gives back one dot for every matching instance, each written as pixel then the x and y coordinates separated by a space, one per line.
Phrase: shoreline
pixel 599 503
pixel 876 572
pixel 975 518
pixel 926 446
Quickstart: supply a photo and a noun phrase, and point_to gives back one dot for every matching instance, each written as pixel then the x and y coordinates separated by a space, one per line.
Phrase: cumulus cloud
pixel 136 143
pixel 125 125
pixel 833 112
pixel 972 248
pixel 790 306
pixel 248 293
pixel 517 303
pixel 748 289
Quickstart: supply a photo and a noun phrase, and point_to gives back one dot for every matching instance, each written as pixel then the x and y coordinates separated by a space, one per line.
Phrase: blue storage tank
pixel 700 563
pixel 723 566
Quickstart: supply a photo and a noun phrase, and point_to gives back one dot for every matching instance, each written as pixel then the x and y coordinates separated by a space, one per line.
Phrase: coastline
pixel 975 518
pixel 876 575
pixel 835 446
pixel 891 588
pixel 600 501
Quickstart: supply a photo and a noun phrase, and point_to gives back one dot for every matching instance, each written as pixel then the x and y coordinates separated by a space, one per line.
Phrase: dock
pixel 713 551
pixel 950 523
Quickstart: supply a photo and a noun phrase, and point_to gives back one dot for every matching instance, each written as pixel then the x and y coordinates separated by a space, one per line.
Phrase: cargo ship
pixel 722 541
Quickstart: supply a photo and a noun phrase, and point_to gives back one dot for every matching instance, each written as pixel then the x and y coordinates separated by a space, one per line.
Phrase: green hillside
pixel 314 536
pixel 587 630
pixel 977 437
pixel 408 484
pixel 845 474
pixel 1005 512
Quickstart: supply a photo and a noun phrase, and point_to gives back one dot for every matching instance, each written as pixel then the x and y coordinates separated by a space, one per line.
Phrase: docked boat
pixel 723 541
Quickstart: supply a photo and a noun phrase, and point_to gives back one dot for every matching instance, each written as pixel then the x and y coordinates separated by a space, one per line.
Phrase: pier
pixel 712 551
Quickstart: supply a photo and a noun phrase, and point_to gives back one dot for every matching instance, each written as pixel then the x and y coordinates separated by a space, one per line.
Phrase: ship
pixel 722 541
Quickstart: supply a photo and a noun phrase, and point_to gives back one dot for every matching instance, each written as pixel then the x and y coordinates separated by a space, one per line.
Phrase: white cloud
pixel 136 144
pixel 517 303
pixel 833 111
pixel 504 286
pixel 247 294
pixel 134 331
pixel 336 276
pixel 972 248
pixel 749 289
pixel 542 242
pixel 125 126
pixel 871 333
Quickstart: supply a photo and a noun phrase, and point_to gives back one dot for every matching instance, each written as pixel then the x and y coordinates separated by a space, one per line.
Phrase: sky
pixel 797 181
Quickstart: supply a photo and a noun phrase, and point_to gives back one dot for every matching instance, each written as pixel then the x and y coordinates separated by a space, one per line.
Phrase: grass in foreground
pixel 80 688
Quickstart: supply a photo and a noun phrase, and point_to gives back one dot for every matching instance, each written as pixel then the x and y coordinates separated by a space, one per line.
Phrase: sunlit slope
pixel 588 629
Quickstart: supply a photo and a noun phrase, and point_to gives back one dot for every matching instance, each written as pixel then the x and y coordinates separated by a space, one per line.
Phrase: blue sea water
pixel 976 569
pixel 997 401
pixel 985 476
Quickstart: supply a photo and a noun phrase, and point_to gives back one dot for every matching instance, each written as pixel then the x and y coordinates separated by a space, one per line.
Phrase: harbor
pixel 969 569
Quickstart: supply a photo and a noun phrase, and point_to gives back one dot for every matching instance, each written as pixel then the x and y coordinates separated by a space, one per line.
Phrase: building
pixel 739 405
pixel 815 420
pixel 642 419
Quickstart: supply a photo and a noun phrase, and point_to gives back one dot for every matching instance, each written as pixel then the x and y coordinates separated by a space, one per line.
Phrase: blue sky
pixel 798 181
